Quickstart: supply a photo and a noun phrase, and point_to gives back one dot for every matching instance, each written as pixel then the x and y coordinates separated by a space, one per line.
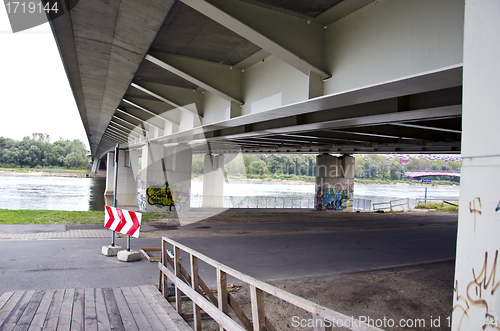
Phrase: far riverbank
pixel 55 172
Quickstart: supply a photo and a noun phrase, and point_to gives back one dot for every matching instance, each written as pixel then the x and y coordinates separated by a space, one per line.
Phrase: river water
pixel 63 193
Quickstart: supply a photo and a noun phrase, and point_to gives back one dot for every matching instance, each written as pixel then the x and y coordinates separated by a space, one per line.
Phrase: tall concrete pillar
pixel 334 183
pixel 126 187
pixel 110 179
pixel 96 162
pixel 165 181
pixel 477 272
pixel 213 181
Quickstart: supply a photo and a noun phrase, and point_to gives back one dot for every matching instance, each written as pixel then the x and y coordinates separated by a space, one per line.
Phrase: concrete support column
pixel 127 187
pixel 110 180
pixel 96 162
pixel 213 181
pixel 334 182
pixel 476 288
pixel 165 181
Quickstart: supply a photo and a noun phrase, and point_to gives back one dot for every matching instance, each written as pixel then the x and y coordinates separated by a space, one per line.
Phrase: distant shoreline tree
pixel 37 151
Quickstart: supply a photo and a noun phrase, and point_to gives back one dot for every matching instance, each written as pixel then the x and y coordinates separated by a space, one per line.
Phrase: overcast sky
pixel 35 93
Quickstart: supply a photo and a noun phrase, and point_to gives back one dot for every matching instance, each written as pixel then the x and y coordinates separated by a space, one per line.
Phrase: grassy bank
pixel 438 206
pixel 28 216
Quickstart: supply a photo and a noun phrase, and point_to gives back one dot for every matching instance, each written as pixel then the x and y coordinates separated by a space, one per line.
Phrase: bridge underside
pixel 267 76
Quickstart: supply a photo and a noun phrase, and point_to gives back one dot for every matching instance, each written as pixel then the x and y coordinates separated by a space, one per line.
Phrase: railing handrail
pixel 315 309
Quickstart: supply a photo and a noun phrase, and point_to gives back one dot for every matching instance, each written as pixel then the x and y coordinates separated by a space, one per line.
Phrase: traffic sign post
pixel 112 250
pixel 425 180
pixel 126 222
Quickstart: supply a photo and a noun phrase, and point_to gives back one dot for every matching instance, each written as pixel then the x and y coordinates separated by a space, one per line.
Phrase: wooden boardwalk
pixel 140 308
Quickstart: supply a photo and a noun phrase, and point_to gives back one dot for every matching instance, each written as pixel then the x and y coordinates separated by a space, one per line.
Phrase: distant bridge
pixel 415 174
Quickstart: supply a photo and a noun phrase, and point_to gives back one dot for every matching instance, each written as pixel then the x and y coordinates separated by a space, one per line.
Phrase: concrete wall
pixel 215 109
pixel 477 282
pixel 389 39
pixel 272 83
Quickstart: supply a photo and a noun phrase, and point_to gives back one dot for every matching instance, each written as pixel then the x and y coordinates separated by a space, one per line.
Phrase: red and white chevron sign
pixel 123 221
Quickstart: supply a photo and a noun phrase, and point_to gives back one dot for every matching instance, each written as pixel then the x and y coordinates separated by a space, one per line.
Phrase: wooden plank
pixel 10 305
pixel 17 311
pixel 239 312
pixel 77 318
pixel 163 279
pixel 269 325
pixel 204 304
pixel 64 323
pixel 24 322
pixel 258 313
pixel 195 285
pixel 54 311
pixel 145 251
pixel 140 319
pixel 125 313
pixel 42 312
pixel 222 292
pixel 4 298
pixel 162 315
pixel 146 309
pixel 318 323
pixel 102 316
pixel 177 271
pixel 174 317
pixel 90 315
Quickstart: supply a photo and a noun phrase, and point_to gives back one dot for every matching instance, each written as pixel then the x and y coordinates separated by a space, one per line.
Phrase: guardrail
pixel 198 201
pixel 218 307
pixel 447 201
pixel 392 205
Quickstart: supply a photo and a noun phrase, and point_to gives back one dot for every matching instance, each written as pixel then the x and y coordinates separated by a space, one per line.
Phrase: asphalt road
pixel 55 264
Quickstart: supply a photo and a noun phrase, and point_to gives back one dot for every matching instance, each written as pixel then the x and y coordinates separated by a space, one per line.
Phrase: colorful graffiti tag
pixel 167 196
pixel 338 197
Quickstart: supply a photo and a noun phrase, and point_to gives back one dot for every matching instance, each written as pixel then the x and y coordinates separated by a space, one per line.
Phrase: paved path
pixel 58 235
pixel 127 308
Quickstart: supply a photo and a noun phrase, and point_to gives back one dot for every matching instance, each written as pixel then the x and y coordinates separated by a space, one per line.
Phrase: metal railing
pixel 198 201
pixel 393 205
pixel 447 201
pixel 218 306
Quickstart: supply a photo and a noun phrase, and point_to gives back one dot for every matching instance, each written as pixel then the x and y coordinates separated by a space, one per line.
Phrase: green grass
pixel 28 216
pixel 438 206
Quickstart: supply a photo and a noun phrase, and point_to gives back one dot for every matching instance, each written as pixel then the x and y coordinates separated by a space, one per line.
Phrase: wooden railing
pixel 217 308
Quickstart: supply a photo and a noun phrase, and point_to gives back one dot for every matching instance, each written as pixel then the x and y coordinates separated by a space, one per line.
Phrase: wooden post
pixel 163 277
pixel 177 270
pixel 258 314
pixel 222 292
pixel 195 285
pixel 319 324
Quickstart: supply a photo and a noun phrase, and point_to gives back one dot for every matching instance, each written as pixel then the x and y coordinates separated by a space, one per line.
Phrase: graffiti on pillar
pixel 141 195
pixel 480 293
pixel 160 196
pixel 180 195
pixel 338 197
pixel 319 198
pixel 475 208
pixel 168 196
